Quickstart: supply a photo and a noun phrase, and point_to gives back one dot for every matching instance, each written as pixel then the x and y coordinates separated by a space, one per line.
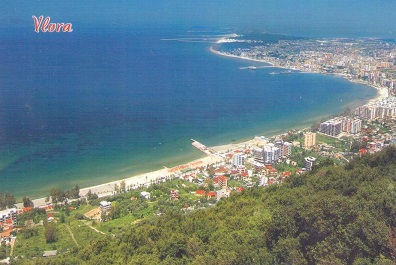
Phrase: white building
pixel 105 205
pixel 238 160
pixel 356 126
pixel 223 193
pixel 8 216
pixel 271 154
pixel 385 108
pixel 145 195
pixel 308 162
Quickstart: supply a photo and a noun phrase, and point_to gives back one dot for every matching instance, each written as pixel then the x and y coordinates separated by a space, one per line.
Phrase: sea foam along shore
pixel 382 92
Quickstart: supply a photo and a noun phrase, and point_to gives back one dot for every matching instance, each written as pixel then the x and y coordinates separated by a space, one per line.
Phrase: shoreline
pixel 382 92
pixel 212 50
pixel 135 181
pixel 145 179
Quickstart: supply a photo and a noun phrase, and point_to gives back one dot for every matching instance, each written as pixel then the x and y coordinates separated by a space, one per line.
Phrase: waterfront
pixel 117 115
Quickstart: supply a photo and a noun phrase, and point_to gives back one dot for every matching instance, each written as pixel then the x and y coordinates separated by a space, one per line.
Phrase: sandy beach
pixel 382 92
pixel 135 181
pixel 211 49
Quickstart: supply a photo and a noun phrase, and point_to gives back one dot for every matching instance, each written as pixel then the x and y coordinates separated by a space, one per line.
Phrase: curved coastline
pixel 214 51
pixel 145 179
pixel 382 92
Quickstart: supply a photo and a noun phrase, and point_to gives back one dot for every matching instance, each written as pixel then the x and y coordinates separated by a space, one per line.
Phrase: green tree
pixel 3 252
pixel 50 233
pixel 7 201
pixel 67 210
pixel 355 146
pixel 336 215
pixel 74 193
pixel 27 202
pixel 115 210
pixel 57 195
pixel 122 186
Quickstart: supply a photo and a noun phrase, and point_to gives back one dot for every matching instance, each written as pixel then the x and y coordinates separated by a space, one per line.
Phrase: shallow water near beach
pixel 90 108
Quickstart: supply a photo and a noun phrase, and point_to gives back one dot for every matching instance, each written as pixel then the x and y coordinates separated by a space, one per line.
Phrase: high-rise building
pixel 382 109
pixel 258 155
pixel 238 160
pixel 351 126
pixel 271 154
pixel 356 126
pixel 331 127
pixel 309 140
pixel 346 125
pixel 308 162
pixel 286 149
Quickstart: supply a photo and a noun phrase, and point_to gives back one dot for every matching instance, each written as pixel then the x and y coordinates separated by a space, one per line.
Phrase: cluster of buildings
pixel 8 219
pixel 334 127
pixel 272 153
pixel 384 109
pixel 368 60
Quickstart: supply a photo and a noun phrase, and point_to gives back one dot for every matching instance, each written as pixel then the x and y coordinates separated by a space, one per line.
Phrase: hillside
pixel 334 215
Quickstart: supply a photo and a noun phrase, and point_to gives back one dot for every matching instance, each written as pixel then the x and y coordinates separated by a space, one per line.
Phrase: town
pixel 259 162
pixel 367 60
pixel 68 219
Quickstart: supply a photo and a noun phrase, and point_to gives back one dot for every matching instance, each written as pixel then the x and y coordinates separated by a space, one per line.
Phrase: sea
pixel 93 106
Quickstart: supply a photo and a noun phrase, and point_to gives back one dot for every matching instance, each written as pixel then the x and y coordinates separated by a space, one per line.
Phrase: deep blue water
pixel 85 108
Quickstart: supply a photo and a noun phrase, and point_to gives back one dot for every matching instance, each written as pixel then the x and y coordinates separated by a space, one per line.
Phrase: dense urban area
pixel 370 61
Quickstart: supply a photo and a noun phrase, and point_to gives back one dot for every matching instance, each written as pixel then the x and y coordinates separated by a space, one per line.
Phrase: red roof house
pixel 212 194
pixel 220 181
pixel 200 193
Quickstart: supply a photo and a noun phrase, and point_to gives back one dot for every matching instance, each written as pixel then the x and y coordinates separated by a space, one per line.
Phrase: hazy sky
pixel 310 17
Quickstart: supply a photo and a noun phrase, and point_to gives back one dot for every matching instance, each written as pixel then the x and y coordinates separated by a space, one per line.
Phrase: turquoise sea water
pixel 89 108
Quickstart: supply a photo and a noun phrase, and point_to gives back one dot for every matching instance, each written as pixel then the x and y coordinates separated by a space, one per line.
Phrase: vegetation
pixel 58 195
pixel 334 215
pixel 50 233
pixel 7 200
pixel 3 252
pixel 37 235
pixel 339 144
pixel 27 202
pixel 34 216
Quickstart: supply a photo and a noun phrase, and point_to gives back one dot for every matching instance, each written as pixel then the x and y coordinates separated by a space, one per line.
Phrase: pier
pixel 201 147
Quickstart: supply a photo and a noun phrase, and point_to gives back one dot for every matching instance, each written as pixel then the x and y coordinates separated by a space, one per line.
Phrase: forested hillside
pixel 334 215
